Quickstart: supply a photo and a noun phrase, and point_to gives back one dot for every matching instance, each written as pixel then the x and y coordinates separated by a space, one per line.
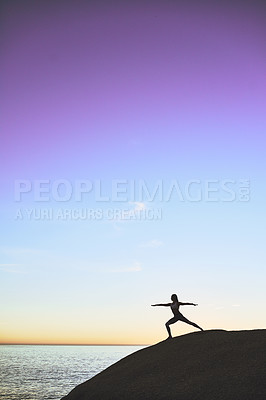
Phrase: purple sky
pixel 132 90
pixel 83 80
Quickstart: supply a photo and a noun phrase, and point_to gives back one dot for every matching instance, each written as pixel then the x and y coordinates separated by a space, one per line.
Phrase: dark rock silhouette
pixel 210 365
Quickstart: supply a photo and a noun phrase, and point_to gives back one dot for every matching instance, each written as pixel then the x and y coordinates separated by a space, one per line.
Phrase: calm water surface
pixel 50 372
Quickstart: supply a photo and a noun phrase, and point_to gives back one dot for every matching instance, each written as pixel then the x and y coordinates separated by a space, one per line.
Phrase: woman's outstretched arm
pixel 187 304
pixel 163 305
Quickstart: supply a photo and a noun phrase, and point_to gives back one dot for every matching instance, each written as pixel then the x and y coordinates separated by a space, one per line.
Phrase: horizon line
pixel 73 344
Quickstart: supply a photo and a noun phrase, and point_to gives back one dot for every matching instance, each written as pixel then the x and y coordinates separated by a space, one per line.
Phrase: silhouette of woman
pixel 177 314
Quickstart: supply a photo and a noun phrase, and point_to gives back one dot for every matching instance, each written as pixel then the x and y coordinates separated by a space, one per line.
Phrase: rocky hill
pixel 210 365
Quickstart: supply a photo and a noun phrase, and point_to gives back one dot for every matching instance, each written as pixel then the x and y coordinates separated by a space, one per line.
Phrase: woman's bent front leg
pixel 170 322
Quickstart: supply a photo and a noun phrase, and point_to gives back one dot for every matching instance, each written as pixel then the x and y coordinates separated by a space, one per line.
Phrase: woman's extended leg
pixel 184 319
pixel 170 322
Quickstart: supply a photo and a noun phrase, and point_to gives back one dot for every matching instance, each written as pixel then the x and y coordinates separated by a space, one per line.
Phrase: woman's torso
pixel 175 307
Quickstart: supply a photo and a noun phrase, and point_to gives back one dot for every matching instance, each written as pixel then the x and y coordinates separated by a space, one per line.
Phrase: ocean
pixel 44 372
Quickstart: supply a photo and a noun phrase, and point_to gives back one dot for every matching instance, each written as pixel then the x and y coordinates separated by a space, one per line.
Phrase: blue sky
pixel 84 99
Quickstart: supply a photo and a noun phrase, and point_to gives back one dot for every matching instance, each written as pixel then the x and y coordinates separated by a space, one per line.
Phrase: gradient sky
pixel 134 91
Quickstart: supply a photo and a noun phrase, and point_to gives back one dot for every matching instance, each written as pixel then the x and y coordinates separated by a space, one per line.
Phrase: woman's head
pixel 174 297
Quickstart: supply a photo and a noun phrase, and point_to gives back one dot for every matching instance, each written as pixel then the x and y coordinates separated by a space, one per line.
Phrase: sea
pixel 46 372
